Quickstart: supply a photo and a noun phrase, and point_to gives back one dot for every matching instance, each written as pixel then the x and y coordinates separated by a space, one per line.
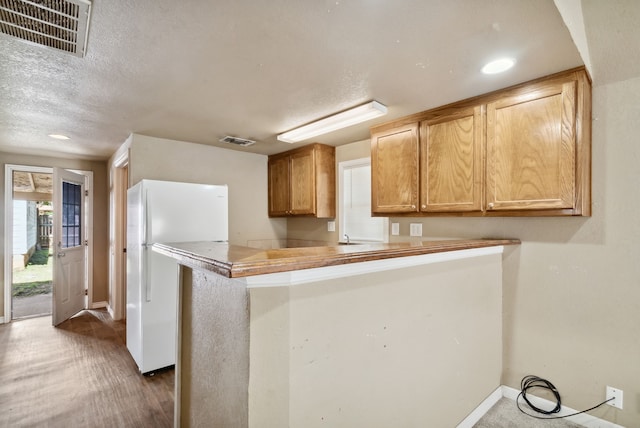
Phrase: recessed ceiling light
pixel 59 136
pixel 498 66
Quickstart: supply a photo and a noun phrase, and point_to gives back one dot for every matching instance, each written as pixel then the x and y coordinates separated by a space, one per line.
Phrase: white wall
pixel 25 231
pixel 412 347
pixel 25 227
pixel 20 227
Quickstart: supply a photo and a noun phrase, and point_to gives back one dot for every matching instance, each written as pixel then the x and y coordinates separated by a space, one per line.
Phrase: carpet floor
pixel 505 414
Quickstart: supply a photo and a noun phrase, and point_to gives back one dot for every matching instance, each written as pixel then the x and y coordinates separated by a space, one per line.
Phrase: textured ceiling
pixel 197 71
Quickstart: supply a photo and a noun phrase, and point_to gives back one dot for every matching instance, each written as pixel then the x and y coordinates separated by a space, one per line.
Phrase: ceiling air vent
pixel 57 24
pixel 237 141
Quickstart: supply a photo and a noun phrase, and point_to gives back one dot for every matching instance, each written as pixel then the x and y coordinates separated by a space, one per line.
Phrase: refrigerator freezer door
pixel 184 212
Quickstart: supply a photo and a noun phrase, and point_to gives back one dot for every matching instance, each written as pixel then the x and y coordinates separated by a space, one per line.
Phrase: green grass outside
pixel 36 278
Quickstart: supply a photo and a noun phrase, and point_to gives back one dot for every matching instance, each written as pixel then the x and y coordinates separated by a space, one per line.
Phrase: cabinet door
pixel 279 186
pixel 302 186
pixel 451 162
pixel 531 158
pixel 394 170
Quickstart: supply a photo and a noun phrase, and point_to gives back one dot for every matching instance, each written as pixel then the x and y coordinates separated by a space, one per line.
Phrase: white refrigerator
pixel 164 211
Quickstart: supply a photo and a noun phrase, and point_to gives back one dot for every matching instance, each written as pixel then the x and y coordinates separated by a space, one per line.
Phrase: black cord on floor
pixel 530 382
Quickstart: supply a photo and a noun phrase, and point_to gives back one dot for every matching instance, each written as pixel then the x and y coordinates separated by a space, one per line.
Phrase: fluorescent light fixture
pixel 498 66
pixel 337 121
pixel 59 136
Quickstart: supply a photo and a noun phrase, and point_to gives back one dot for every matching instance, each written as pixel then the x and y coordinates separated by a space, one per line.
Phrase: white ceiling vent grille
pixel 58 24
pixel 237 141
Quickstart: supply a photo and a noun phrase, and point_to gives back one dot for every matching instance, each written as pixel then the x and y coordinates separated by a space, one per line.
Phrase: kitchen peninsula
pixel 402 334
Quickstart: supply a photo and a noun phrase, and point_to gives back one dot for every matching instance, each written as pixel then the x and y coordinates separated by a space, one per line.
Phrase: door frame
pixel 342 167
pixel 8 232
pixel 118 236
pixel 88 218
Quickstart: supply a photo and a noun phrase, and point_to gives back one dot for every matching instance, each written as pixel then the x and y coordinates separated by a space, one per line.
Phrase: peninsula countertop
pixel 233 261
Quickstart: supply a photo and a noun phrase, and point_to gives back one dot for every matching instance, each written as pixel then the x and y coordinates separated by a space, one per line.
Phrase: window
pixel 355 204
pixel 71 215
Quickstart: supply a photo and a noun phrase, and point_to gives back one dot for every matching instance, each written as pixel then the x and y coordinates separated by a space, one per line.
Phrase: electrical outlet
pixel 331 226
pixel 395 228
pixel 617 393
pixel 415 229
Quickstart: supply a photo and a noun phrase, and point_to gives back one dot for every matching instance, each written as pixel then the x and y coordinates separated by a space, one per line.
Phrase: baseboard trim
pixel 583 419
pixel 1 320
pixel 482 409
pixel 99 305
pixel 110 310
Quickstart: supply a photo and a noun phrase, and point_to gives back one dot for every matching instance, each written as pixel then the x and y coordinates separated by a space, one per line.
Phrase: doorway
pixel 354 198
pixel 36 187
pixel 118 250
pixel 32 268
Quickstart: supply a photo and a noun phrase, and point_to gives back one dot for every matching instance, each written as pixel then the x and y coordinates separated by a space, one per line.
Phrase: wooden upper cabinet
pixel 531 149
pixel 302 187
pixel 519 151
pixel 394 170
pixel 302 182
pixel 278 186
pixel 451 161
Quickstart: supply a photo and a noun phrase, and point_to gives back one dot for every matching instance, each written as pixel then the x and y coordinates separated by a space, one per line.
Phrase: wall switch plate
pixel 395 228
pixel 331 226
pixel 415 229
pixel 617 393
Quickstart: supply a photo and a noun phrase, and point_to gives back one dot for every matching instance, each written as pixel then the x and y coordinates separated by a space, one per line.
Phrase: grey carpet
pixel 505 414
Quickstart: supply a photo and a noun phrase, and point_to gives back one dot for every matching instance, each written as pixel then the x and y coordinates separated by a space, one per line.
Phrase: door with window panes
pixel 69 242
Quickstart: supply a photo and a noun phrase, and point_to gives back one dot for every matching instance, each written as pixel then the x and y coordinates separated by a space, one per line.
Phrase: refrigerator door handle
pixel 145 280
pixel 145 248
pixel 145 215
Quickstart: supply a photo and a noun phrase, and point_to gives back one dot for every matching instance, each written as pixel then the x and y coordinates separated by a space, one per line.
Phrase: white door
pixel 69 242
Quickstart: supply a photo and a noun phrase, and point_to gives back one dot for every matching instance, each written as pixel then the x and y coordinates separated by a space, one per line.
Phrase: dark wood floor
pixel 79 374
